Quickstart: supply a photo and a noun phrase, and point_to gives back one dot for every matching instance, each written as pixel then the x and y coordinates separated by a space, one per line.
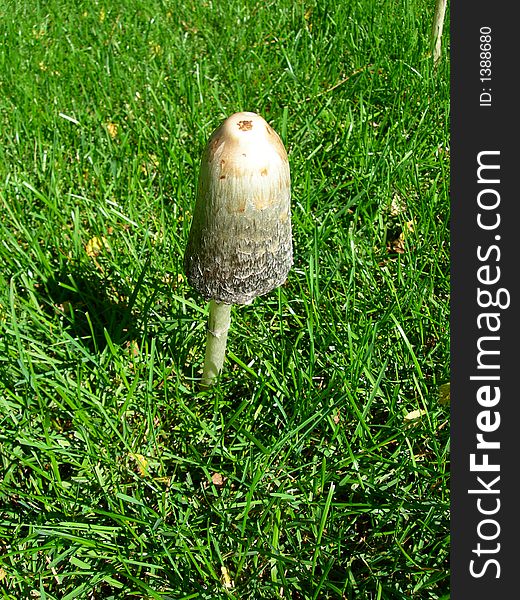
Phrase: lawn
pixel 318 466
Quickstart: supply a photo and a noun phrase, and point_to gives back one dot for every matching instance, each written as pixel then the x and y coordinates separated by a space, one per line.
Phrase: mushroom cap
pixel 240 241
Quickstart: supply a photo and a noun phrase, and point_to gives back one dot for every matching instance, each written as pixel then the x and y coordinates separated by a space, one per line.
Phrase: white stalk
pixel 218 327
pixel 438 25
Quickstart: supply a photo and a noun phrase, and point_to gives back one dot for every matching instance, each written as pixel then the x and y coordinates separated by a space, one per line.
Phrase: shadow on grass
pixel 97 309
pixel 94 307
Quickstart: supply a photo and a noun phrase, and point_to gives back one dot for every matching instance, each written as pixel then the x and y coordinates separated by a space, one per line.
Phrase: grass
pixel 318 467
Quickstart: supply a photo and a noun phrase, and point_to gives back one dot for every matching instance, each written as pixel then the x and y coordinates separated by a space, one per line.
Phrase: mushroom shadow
pixel 91 303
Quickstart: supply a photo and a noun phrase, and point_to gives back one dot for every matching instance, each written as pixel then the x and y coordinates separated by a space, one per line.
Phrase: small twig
pixel 336 85
pixel 53 570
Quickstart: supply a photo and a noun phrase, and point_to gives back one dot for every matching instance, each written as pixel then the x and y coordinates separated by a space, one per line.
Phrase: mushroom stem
pixel 218 326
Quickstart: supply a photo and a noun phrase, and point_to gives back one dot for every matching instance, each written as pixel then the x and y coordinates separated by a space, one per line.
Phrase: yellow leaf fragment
pixel 444 394
pixel 112 129
pixel 155 49
pixel 95 246
pixel 227 582
pixel 397 205
pixel 414 416
pixel 141 463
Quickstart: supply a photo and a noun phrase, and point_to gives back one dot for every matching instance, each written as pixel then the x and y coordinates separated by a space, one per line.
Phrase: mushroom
pixel 240 243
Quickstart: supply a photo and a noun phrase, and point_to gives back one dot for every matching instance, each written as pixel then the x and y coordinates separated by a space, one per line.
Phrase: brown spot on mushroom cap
pixel 239 152
pixel 215 143
pixel 245 125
